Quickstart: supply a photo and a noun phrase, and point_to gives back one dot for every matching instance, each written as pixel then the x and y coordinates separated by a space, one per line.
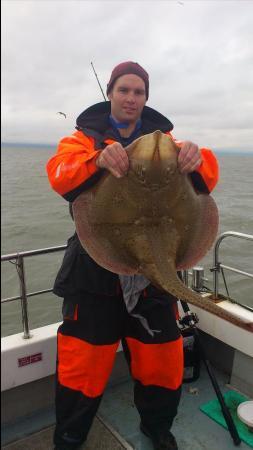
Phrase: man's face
pixel 128 97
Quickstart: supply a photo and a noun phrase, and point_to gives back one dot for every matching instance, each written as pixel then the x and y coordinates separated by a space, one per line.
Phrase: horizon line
pixel 50 144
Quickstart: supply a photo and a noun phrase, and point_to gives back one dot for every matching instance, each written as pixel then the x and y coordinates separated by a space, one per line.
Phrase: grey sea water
pixel 34 216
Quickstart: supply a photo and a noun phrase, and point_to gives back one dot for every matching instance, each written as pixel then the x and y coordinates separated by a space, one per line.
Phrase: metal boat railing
pixel 18 260
pixel 218 266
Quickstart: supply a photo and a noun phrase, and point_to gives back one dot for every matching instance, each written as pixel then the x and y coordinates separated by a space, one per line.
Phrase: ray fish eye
pixel 141 172
pixel 169 171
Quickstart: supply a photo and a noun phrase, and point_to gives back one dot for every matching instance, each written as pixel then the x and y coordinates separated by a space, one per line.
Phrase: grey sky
pixel 199 56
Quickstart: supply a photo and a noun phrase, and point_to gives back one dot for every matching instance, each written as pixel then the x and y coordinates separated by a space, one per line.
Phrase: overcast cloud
pixel 199 56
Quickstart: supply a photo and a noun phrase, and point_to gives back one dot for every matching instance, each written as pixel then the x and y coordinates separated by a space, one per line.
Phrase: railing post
pixel 23 296
pixel 185 277
pixel 216 270
pixel 197 278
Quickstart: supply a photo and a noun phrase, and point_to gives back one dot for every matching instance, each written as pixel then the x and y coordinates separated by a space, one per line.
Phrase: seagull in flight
pixel 62 113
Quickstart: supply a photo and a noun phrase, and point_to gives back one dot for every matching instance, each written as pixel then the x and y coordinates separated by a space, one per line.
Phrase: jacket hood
pixel 96 118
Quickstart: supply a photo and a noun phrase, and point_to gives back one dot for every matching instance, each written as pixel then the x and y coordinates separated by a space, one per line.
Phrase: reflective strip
pixel 58 170
pixel 84 367
pixel 157 364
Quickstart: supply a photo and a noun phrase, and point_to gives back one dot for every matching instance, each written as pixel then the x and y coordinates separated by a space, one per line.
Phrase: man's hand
pixel 189 157
pixel 114 158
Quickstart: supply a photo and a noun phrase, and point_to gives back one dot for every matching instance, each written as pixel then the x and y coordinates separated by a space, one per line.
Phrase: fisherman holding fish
pixel 102 308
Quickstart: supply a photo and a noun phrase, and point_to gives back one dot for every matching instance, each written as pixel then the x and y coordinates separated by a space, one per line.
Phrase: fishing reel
pixel 190 319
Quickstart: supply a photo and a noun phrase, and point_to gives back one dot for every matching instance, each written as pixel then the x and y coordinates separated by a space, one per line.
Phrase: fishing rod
pixel 98 81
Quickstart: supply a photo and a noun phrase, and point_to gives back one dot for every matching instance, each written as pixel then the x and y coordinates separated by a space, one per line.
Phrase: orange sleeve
pixel 73 164
pixel 208 169
pixel 206 176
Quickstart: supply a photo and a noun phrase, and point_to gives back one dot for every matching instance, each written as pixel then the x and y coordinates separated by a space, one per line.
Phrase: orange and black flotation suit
pixel 94 312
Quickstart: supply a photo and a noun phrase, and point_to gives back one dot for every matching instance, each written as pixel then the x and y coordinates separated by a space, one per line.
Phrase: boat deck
pixel 117 426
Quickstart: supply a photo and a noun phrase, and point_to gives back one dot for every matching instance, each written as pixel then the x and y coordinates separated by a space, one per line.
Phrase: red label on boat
pixel 29 359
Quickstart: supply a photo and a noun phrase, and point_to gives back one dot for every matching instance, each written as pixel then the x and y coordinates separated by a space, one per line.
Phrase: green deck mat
pixel 232 400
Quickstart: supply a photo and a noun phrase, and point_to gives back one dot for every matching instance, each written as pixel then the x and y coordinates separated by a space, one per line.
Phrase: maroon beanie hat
pixel 127 68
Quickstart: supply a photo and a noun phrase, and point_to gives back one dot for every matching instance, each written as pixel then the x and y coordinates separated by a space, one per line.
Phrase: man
pixel 94 311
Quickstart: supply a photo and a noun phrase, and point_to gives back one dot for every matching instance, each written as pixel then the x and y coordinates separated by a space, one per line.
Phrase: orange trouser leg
pixel 156 362
pixel 83 366
pixel 86 347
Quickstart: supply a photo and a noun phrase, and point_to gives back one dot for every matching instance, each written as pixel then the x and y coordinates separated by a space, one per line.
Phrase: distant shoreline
pixel 27 144
pixel 219 151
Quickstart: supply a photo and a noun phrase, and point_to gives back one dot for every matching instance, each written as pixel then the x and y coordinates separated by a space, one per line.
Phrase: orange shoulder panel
pixel 73 163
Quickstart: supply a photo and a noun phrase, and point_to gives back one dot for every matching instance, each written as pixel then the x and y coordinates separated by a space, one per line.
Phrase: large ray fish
pixel 151 221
